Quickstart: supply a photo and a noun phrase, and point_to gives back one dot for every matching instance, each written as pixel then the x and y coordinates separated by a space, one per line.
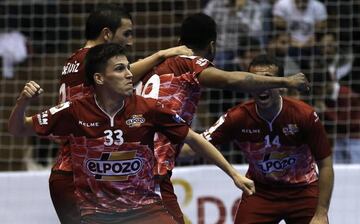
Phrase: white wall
pixel 24 196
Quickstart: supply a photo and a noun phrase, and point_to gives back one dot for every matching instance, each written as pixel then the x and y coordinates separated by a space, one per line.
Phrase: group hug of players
pixel 118 141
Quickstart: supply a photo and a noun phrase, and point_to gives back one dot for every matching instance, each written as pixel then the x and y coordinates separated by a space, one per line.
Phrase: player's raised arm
pixel 206 149
pixel 139 68
pixel 19 124
pixel 248 82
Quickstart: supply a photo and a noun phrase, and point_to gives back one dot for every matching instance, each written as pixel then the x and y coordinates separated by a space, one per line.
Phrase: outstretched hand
pixel 180 50
pixel 299 82
pixel 31 90
pixel 244 183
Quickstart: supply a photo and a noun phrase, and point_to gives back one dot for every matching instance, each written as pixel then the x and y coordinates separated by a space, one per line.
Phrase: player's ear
pixel 98 79
pixel 107 34
pixel 212 46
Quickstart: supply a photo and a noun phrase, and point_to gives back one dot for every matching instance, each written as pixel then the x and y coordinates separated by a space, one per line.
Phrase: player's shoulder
pixel 85 101
pixel 241 109
pixel 191 59
pixel 79 54
pixel 297 106
pixel 142 102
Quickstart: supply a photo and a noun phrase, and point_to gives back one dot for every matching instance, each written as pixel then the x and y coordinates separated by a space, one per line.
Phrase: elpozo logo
pixel 115 166
pixel 135 121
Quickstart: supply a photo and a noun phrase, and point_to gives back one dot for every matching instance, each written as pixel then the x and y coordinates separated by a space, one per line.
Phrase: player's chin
pixel 129 92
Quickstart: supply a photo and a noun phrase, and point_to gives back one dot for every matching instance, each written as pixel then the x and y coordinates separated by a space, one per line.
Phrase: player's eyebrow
pixel 121 66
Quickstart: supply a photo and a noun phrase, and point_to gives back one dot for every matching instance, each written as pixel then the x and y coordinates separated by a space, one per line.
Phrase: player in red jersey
pixel 283 140
pixel 109 23
pixel 177 83
pixel 111 134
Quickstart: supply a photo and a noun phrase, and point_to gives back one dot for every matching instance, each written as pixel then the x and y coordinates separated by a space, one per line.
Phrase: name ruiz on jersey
pixel 115 166
pixel 70 68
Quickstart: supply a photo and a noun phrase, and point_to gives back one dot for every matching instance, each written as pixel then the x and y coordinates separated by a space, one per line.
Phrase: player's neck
pixel 271 112
pixel 110 104
pixel 92 43
pixel 201 53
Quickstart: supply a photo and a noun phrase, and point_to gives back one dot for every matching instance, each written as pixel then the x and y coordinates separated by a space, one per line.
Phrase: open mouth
pixel 264 96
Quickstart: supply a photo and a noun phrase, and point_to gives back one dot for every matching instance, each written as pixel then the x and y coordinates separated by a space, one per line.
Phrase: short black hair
pixel 197 31
pixel 267 60
pixel 97 58
pixel 105 15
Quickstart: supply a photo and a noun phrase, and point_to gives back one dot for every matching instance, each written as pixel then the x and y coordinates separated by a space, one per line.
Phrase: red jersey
pixel 112 156
pixel 174 83
pixel 71 87
pixel 280 152
pixel 73 74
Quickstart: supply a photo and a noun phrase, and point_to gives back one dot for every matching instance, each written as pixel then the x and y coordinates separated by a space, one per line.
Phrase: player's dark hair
pixel 97 58
pixel 267 60
pixel 197 31
pixel 105 15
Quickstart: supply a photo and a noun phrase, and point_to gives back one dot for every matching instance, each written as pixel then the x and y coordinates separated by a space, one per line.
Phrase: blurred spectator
pixel 340 104
pixel 343 111
pixel 236 20
pixel 250 49
pixel 13 49
pixel 302 19
pixel 278 47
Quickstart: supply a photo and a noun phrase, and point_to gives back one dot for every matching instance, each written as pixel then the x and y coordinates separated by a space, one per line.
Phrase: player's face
pixel 118 77
pixel 124 34
pixel 267 98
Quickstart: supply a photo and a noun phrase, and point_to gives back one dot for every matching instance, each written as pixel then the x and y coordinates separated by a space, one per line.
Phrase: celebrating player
pixel 177 83
pixel 109 23
pixel 111 136
pixel 283 140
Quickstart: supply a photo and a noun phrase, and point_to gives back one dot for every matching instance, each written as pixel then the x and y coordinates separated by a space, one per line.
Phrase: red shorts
pixel 150 214
pixel 169 198
pixel 271 205
pixel 61 186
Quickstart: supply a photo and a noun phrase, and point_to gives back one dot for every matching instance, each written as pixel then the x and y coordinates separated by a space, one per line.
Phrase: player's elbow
pixel 17 129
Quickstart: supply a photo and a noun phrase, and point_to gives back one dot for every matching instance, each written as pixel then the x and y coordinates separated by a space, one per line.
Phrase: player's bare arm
pixel 326 183
pixel 141 67
pixel 19 124
pixel 247 82
pixel 206 149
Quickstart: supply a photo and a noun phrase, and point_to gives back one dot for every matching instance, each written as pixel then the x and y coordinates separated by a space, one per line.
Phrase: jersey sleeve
pixel 222 131
pixel 57 121
pixel 170 124
pixel 316 137
pixel 195 64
